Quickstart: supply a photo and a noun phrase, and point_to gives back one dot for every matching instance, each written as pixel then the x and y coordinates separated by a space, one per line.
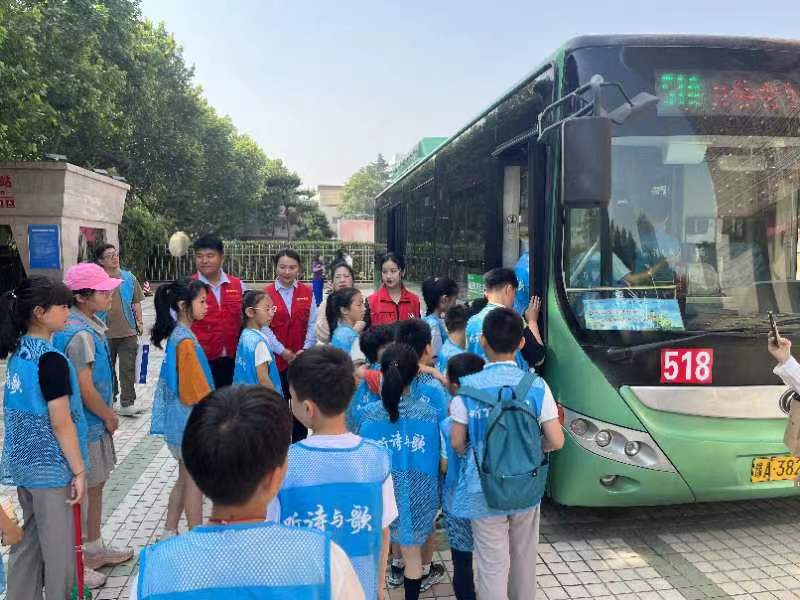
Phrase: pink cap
pixel 90 276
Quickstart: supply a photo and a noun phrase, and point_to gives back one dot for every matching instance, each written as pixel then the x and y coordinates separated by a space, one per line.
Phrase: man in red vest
pixel 218 332
pixel 293 323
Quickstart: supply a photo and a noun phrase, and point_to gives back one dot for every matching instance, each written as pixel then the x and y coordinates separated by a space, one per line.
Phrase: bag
pixel 514 468
pixel 142 360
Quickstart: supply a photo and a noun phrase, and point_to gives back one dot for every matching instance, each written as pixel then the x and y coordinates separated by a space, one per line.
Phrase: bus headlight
pixel 621 444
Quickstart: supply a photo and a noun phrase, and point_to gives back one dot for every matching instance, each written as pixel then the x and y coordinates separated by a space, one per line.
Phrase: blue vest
pixel 343 337
pixel 522 271
pixel 468 499
pixel 339 490
pixel 126 293
pixel 102 373
pixel 169 415
pixel 414 442
pixel 438 333
pixel 449 350
pixel 430 391
pixel 245 370
pixel 475 330
pixel 361 398
pixel 246 560
pixel 459 531
pixel 32 457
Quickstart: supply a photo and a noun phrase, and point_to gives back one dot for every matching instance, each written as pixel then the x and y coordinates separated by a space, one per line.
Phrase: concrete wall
pixel 356 230
pixel 62 194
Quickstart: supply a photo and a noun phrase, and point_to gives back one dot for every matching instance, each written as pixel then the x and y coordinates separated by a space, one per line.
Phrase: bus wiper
pixel 624 352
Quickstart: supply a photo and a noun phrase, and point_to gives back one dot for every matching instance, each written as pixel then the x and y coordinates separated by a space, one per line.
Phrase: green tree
pixel 360 190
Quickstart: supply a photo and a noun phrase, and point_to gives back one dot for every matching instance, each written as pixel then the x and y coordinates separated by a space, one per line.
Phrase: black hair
pixel 289 253
pixel 338 256
pixel 16 308
pixel 456 317
pixel 209 241
pixel 499 277
pixel 434 288
pixel 325 376
pixel 234 437
pixel 166 298
pixel 415 333
pixel 477 305
pixel 336 302
pixel 372 340
pixel 503 329
pixel 250 300
pixel 395 258
pixel 462 365
pixel 341 264
pixel 399 366
pixel 101 249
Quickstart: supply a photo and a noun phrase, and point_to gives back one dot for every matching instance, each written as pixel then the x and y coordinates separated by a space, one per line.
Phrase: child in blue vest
pixel 409 427
pixel 337 481
pixel 505 541
pixel 455 320
pixel 459 531
pixel 235 447
pixel 372 342
pixel 345 313
pixel 255 364
pixel 185 379
pixel 439 293
pixel 84 342
pixel 45 446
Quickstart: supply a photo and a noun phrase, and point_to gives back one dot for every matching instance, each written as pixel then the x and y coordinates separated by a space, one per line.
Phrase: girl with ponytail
pixel 440 294
pixel 345 313
pixel 185 379
pixel 409 427
pixel 45 450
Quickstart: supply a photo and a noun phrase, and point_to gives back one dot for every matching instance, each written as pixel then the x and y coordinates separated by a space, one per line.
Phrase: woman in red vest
pixel 392 302
pixel 295 316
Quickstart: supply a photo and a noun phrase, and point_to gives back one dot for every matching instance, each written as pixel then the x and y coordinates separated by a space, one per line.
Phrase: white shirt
pixel 215 289
pixel 789 372
pixel 344 581
pixel 342 442
pixel 262 353
pixel 458 410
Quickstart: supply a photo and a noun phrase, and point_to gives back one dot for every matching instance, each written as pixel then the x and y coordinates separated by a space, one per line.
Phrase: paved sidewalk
pixel 741 550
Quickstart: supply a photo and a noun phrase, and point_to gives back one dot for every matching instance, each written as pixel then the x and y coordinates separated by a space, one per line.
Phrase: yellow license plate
pixel 775 468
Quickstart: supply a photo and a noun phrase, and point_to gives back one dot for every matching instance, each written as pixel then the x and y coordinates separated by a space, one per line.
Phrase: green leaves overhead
pixel 360 190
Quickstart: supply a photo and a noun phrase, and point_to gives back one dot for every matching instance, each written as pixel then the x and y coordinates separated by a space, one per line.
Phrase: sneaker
pixel 93 579
pixel 167 534
pixel 130 411
pixel 106 555
pixel 395 577
pixel 434 576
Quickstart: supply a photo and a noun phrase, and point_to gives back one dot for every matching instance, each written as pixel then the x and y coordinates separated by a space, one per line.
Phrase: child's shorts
pixel 102 459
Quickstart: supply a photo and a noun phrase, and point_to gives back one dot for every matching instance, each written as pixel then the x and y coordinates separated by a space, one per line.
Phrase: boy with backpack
pixel 505 420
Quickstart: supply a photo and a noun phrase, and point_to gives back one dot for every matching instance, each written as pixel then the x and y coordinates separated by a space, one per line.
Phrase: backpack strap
pixel 523 387
pixel 479 395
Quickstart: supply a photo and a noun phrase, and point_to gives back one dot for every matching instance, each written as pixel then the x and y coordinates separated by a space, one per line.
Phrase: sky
pixel 327 85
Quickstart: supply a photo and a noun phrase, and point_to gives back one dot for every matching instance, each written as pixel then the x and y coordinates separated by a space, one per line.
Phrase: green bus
pixel 654 182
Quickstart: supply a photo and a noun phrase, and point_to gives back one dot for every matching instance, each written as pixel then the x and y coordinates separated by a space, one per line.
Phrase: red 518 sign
pixel 5 181
pixel 687 365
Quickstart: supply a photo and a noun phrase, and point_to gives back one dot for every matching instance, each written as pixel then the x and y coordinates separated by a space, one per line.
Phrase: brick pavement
pixel 741 550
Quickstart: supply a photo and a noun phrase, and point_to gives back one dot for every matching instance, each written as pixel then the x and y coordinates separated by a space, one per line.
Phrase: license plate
pixel 775 468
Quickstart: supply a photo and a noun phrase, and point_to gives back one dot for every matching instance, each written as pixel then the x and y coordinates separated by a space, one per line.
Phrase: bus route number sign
pixel 687 365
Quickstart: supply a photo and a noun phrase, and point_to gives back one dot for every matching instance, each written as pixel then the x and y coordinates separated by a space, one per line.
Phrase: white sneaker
pixel 130 411
pixel 167 534
pixel 93 579
pixel 95 558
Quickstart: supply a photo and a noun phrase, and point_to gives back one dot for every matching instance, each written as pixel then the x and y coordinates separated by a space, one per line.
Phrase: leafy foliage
pixel 360 190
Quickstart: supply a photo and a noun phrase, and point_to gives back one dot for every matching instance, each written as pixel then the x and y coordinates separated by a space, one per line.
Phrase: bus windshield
pixel 702 230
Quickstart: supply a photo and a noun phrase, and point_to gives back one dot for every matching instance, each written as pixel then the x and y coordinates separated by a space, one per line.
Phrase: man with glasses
pixel 124 321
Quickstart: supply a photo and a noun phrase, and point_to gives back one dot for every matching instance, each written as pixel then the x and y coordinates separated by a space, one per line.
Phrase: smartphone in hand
pixel 773 327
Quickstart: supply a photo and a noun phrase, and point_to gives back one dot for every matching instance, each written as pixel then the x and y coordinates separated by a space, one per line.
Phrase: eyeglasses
pixel 103 292
pixel 110 256
pixel 270 309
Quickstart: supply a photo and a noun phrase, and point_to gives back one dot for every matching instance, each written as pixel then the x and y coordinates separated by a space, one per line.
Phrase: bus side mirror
pixel 586 162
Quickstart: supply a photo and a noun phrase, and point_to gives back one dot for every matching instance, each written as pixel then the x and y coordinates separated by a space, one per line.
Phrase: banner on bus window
pixel 474 286
pixel 633 314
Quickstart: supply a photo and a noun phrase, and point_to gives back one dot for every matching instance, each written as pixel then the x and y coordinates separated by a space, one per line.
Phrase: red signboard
pixel 7 199
pixel 687 365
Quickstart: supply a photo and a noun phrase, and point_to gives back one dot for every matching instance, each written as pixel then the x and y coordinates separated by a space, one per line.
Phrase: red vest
pixel 383 310
pixel 221 326
pixel 291 329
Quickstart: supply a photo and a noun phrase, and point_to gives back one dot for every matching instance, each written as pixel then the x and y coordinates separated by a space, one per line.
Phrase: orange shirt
pixel 192 383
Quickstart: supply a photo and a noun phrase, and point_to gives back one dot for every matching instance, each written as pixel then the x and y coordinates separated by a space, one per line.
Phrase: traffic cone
pixel 146 289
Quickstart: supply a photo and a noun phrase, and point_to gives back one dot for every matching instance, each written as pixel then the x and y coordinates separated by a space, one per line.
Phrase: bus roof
pixel 595 41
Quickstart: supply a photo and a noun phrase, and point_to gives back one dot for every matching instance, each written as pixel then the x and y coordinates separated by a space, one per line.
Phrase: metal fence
pixel 253 260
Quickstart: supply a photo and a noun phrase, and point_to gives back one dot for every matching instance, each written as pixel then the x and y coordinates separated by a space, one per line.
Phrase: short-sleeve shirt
pixel 54 376
pixel 118 326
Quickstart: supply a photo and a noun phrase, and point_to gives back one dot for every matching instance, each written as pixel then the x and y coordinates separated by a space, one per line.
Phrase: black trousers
pixel 463 583
pixel 299 431
pixel 222 371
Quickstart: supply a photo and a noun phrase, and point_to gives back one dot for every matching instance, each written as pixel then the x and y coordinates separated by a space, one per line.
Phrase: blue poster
pixel 44 246
pixel 633 314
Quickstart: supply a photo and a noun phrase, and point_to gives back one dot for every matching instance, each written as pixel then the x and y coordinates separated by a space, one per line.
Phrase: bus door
pixel 514 222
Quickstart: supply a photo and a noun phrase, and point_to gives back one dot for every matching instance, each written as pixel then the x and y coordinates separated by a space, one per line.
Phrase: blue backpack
pixel 514 468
